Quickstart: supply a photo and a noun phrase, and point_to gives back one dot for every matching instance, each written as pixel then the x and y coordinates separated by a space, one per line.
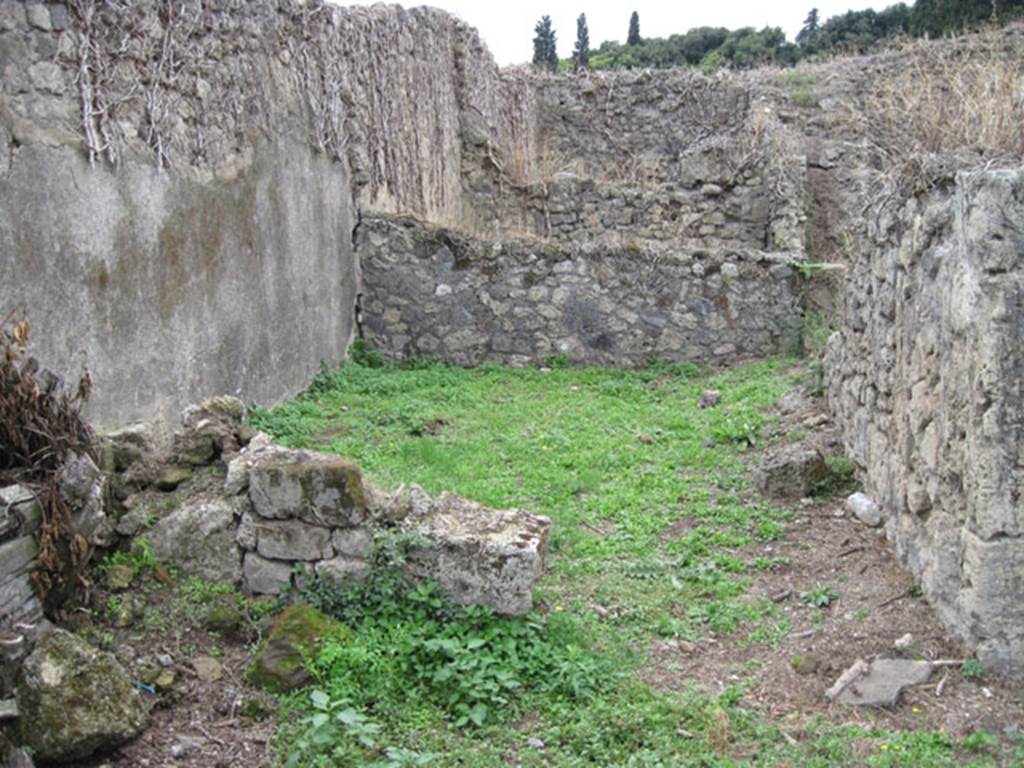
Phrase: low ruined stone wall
pixel 267 518
pixel 926 378
pixel 730 214
pixel 432 292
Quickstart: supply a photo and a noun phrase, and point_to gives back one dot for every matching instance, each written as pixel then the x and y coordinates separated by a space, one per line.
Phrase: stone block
pixel 265 577
pixel 18 600
pixel 60 19
pixel 247 534
pixel 344 568
pixel 353 542
pixel 791 472
pixel 12 15
pixel 199 538
pixel 296 635
pixel 479 556
pixel 39 16
pixel 75 700
pixel 317 488
pixel 293 540
pixel 20 512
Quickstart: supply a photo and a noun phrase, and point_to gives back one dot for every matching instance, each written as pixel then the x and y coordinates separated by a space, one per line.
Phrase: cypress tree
pixel 581 53
pixel 633 38
pixel 545 55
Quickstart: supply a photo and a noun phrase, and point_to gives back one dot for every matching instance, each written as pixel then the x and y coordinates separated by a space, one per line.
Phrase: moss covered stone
pixel 171 477
pixel 75 700
pixel 225 618
pixel 317 488
pixel 296 635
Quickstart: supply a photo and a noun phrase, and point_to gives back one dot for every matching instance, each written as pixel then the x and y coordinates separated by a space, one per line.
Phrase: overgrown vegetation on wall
pixel 947 107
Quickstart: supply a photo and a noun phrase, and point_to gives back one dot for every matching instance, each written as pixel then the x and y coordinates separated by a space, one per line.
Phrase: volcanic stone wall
pixel 433 292
pixel 926 377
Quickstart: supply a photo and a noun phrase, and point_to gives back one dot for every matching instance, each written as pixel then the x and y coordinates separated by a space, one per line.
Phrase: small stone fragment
pixel 118 577
pixel 904 642
pixel 207 668
pixel 709 398
pixel 184 745
pixel 864 509
pixel 224 618
pixel 806 664
pixel 165 679
pixel 879 683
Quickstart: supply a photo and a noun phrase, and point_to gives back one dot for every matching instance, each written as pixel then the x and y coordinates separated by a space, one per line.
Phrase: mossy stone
pixel 197 450
pixel 171 477
pixel 75 700
pixel 296 635
pixel 119 577
pixel 224 618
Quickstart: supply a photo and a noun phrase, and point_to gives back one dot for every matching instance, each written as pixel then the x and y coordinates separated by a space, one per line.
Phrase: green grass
pixel 656 535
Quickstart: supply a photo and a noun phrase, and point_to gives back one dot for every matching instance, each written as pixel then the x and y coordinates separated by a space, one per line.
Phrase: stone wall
pixel 198 244
pixel 20 518
pixel 433 292
pixel 926 378
pixel 675 157
pixel 258 515
pixel 180 182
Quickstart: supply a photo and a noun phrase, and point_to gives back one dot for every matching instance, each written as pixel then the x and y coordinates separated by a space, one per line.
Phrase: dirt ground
pixel 876 604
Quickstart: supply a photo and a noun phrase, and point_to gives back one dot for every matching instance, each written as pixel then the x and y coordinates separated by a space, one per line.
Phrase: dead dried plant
pixel 41 425
pixel 949 107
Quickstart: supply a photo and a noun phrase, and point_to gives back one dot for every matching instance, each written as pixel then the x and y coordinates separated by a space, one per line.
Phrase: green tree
pixel 545 54
pixel 805 37
pixel 633 38
pixel 940 17
pixel 581 53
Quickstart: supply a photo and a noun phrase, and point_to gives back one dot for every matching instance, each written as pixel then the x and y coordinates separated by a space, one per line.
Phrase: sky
pixel 507 25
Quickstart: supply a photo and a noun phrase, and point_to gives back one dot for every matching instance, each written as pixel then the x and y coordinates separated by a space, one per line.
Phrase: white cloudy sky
pixel 507 25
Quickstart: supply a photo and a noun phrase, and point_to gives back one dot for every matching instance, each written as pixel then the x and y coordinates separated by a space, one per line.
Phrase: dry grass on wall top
pixel 950 107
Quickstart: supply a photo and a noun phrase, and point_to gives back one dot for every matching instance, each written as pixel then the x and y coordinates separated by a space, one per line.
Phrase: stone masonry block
pixel 313 487
pixel 478 555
